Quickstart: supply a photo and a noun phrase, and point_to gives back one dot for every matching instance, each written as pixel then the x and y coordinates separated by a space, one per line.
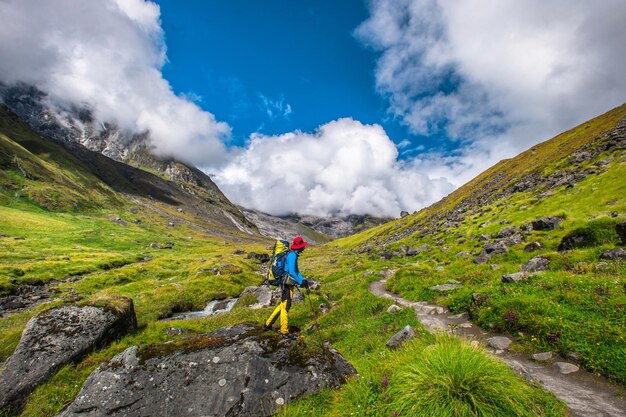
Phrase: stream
pixel 586 394
pixel 212 308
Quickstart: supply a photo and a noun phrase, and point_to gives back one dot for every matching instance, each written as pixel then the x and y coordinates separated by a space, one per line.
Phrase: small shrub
pixel 452 378
pixel 594 233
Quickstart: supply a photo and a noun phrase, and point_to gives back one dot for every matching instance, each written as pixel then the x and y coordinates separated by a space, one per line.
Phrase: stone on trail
pixel 58 336
pixel 566 368
pixel 444 287
pixel 234 371
pixel 397 340
pixel 543 356
pixel 499 342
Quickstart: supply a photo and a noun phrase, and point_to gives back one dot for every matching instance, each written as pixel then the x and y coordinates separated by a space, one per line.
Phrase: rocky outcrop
pixel 234 371
pixel 58 336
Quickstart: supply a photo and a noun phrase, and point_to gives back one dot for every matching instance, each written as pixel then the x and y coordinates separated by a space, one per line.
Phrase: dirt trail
pixel 586 394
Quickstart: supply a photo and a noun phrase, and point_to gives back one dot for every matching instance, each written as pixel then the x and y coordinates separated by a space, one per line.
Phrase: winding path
pixel 586 394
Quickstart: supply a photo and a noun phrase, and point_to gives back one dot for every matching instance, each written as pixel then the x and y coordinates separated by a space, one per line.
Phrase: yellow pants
pixel 282 309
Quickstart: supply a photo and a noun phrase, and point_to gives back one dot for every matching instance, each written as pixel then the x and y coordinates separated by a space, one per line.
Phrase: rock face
pixel 234 371
pixel 57 336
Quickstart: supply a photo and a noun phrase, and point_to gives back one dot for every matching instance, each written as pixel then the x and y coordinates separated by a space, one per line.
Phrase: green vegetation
pixel 89 243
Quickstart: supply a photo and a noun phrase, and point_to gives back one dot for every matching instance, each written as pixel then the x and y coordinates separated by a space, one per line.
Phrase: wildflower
pixel 385 381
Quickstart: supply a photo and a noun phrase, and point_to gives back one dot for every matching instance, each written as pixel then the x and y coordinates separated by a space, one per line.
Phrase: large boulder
pixel 234 371
pixel 258 297
pixel 547 223
pixel 58 336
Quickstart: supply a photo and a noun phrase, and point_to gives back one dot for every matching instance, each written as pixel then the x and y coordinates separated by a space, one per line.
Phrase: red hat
pixel 298 243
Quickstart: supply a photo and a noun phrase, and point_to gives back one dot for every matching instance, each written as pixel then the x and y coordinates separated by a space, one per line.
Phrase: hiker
pixel 291 278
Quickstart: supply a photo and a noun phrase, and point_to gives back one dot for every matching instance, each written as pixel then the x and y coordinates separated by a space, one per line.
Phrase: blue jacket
pixel 291 267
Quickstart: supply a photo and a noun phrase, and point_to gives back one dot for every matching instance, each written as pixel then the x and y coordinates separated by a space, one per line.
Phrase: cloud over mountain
pixel 345 167
pixel 496 76
pixel 108 56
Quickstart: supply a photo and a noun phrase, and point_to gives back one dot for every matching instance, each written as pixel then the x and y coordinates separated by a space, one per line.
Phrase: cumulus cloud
pixel 345 167
pixel 496 76
pixel 108 55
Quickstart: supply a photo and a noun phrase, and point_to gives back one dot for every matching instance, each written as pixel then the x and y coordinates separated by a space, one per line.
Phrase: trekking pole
pixel 317 325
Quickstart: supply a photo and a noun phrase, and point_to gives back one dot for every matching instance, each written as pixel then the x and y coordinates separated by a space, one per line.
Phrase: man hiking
pixel 291 278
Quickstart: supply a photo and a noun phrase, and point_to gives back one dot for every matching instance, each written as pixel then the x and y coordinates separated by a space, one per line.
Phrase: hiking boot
pixel 289 336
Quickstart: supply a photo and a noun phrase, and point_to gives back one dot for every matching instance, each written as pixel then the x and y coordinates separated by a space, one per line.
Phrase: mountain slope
pixel 531 246
pixel 74 127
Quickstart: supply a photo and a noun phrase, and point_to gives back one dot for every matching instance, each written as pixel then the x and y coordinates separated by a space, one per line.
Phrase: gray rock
pixel 397 340
pixel 234 371
pixel 494 267
pixel 614 254
pixel 515 277
pixel 547 223
pixel 439 269
pixel 404 213
pixel 566 368
pixel 482 258
pixel 533 247
pixel 514 239
pixel 444 287
pixel 461 254
pixel 56 337
pixel 620 228
pixel 417 251
pixel 261 257
pixel 484 237
pixel 264 296
pixel 601 265
pixel 573 356
pixel 543 356
pixel 499 342
pixel 536 264
pixel 506 232
pixel 393 308
pixel 495 248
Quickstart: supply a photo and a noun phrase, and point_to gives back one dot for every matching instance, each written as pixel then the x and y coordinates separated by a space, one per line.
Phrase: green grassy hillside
pixel 575 307
pixel 110 248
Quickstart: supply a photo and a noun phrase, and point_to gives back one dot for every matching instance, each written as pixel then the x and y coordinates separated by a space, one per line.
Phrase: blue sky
pixel 326 107
pixel 243 58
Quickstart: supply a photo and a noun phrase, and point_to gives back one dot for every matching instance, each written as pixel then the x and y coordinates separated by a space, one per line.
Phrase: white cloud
pixel 345 167
pixel 107 54
pixel 497 76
